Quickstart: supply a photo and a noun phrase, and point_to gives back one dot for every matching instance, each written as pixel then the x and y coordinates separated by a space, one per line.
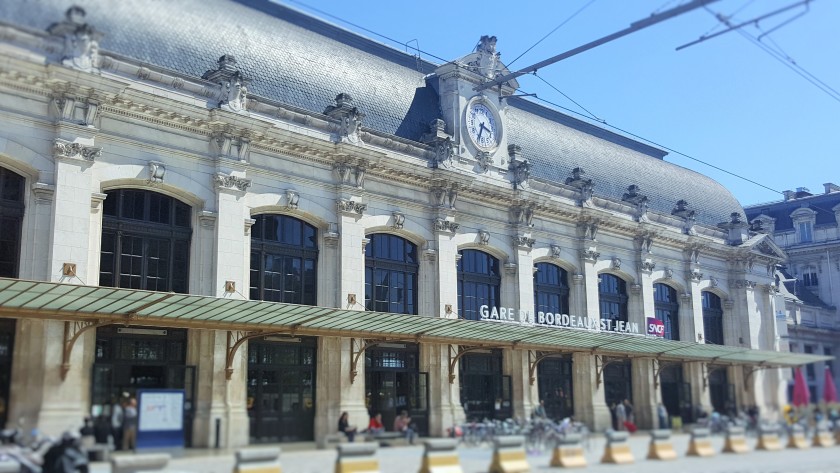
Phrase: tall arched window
pixel 712 318
pixel 612 296
pixel 284 260
pixel 11 217
pixel 145 241
pixel 551 289
pixel 667 309
pixel 479 281
pixel 391 274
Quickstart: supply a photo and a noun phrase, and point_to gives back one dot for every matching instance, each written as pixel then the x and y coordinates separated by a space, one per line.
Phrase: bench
pixel 384 438
pixel 332 440
pixel 138 463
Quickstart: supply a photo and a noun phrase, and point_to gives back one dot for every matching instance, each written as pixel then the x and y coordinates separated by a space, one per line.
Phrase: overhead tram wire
pixel 604 122
pixel 592 115
pixel 581 9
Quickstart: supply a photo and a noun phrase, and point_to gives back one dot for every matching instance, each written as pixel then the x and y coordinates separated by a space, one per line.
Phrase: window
pixel 391 274
pixel 284 257
pixel 11 217
pixel 145 241
pixel 667 309
pixel 829 363
pixel 479 282
pixel 805 235
pixel 612 296
pixel 551 289
pixel 712 318
pixel 810 278
pixel 810 369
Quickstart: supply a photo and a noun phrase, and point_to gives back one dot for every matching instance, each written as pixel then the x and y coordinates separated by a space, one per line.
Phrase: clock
pixel 482 125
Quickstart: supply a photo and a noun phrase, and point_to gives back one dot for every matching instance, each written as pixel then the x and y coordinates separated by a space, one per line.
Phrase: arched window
pixel 551 289
pixel 11 217
pixel 145 241
pixel 667 309
pixel 391 274
pixel 712 318
pixel 479 281
pixel 612 296
pixel 284 260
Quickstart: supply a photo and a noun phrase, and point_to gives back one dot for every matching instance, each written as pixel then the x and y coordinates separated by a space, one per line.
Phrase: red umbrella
pixel 801 396
pixel 829 388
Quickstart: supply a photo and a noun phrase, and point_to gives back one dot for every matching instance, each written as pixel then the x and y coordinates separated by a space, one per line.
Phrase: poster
pixel 655 327
pixel 161 410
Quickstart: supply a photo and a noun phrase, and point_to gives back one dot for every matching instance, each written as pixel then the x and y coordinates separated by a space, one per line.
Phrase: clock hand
pixel 480 130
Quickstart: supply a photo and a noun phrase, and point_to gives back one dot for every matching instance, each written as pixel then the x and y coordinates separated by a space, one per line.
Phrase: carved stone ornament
pixel 590 254
pixel 349 206
pixel 483 237
pixel 713 281
pixel 519 167
pixel 351 174
pixel 771 268
pixel 444 156
pixel 233 95
pixel 555 251
pixel 695 275
pixel 484 160
pixel 65 149
pixel 744 284
pixel 669 273
pixel 227 145
pixel 231 182
pixel 349 119
pixel 585 187
pixel 615 263
pixel 682 211
pixel 81 41
pixel 522 241
pixel 399 220
pixel 639 201
pixel 588 229
pixel 488 62
pixel 644 243
pixel 447 226
pixel 331 236
pixel 157 171
pixel 522 215
pixel 647 265
pixel 292 199
pixel 444 197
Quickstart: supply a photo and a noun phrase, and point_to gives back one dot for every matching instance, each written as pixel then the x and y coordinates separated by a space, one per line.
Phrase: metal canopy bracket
pixel 235 339
pixel 357 349
pixel 72 332
pixel 534 359
pixel 458 353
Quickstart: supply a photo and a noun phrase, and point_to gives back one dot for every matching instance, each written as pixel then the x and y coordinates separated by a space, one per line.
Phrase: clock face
pixel 482 126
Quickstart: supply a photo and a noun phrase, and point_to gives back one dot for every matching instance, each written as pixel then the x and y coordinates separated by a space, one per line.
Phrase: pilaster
pixel 233 235
pixel 525 396
pixel 590 405
pixel 336 392
pixel 445 409
pixel 695 374
pixel 645 394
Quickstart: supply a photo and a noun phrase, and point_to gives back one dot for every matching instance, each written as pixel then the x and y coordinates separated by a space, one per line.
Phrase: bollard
pixel 569 452
pixel 837 431
pixel 509 455
pixel 700 444
pixel 796 438
pixel 139 463
pixel 661 447
pixel 822 436
pixel 736 441
pixel 441 456
pixel 617 450
pixel 9 466
pixel 258 460
pixel 768 438
pixel 357 458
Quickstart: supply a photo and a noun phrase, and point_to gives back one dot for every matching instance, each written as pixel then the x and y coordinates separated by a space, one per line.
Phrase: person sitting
pixel 345 428
pixel 375 426
pixel 402 424
pixel 539 411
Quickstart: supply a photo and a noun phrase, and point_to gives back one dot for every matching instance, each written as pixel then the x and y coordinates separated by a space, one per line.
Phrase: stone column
pixel 516 362
pixel 590 284
pixel 336 390
pixel 590 406
pixel 645 394
pixel 695 374
pixel 445 408
pixel 233 236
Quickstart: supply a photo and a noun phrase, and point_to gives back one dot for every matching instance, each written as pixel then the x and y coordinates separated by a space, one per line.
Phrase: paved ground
pixel 302 459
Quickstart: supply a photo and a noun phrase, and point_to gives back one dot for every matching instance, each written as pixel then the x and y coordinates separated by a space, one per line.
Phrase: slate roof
pixel 798 289
pixel 821 204
pixel 300 60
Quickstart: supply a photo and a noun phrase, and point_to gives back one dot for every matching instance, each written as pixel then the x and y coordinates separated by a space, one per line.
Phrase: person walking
pixel 662 413
pixel 539 411
pixel 628 410
pixel 116 422
pixel 620 416
pixel 129 440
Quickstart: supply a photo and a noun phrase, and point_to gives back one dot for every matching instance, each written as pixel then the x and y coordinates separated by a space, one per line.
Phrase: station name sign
pixel 526 317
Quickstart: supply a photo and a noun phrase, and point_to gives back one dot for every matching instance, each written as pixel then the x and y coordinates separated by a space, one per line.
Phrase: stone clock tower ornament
pixel 475 120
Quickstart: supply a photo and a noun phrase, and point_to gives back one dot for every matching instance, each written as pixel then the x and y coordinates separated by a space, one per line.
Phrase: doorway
pixel 721 392
pixel 7 344
pixel 676 393
pixel 485 391
pixel 394 383
pixel 554 376
pixel 128 359
pixel 281 389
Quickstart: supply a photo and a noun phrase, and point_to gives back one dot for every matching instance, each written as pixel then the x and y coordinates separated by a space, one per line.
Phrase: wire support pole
pixel 641 24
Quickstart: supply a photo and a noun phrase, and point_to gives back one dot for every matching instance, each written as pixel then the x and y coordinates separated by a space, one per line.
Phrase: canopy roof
pixel 61 301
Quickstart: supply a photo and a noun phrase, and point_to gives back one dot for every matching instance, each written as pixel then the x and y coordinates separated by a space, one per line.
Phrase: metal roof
pixel 62 301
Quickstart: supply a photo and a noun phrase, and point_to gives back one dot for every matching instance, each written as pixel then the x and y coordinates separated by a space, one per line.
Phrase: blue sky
pixel 724 101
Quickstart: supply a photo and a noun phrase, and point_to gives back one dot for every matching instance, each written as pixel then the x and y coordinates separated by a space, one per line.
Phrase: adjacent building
pixel 286 221
pixel 807 226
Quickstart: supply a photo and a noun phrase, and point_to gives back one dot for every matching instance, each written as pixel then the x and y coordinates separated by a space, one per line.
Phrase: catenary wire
pixel 581 9
pixel 592 115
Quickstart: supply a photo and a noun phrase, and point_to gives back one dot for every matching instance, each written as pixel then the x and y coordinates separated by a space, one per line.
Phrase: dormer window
pixel 809 277
pixel 803 222
pixel 805 232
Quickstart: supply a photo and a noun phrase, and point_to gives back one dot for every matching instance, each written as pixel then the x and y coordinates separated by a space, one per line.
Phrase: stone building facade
pixel 806 226
pixel 259 153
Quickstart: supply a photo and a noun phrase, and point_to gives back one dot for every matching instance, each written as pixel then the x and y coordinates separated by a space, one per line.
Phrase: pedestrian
pixel 628 410
pixel 345 428
pixel 662 413
pixel 116 422
pixel 129 439
pixel 539 411
pixel 402 424
pixel 620 415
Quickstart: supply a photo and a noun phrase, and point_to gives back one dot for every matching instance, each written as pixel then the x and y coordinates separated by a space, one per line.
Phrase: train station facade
pixel 287 221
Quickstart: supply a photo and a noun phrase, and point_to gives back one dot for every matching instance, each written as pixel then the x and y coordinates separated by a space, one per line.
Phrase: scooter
pixel 66 456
